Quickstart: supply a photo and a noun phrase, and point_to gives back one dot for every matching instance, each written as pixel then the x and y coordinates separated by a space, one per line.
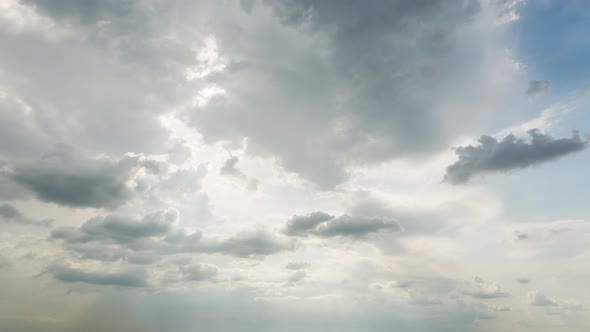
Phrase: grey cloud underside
pixel 326 226
pixel 331 85
pixel 155 236
pixel 124 279
pixel 67 177
pixel 492 156
pixel 11 214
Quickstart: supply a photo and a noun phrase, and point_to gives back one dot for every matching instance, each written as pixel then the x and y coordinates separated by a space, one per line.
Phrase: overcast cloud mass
pixel 294 165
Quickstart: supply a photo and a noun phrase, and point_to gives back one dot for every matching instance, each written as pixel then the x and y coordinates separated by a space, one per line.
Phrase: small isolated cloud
pixel 123 279
pixel 541 300
pixel 518 235
pixel 492 156
pixel 484 290
pixel 523 281
pixel 500 308
pixel 324 225
pixel 538 87
pixel 11 214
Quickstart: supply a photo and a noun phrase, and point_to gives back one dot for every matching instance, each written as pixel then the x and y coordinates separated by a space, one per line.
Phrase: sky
pixel 294 165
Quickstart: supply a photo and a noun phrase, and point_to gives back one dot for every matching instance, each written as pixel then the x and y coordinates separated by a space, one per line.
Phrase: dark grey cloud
pixel 114 228
pixel 11 214
pixel 302 225
pixel 323 225
pixel 538 87
pixel 66 177
pixel 253 244
pixel 510 153
pixel 123 279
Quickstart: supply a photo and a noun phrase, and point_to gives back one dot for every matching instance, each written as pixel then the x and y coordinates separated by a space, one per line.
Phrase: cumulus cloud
pixel 344 84
pixel 491 156
pixel 123 279
pixel 484 290
pixel 145 240
pixel 11 214
pixel 323 225
pixel 118 228
pixel 541 300
pixel 66 177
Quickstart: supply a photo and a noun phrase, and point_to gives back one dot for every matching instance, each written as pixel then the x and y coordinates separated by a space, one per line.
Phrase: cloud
pixel 229 168
pixel 523 281
pixel 66 177
pixel 114 228
pixel 122 279
pixel 297 265
pixel 537 87
pixel 538 299
pixel 519 236
pixel 199 272
pixel 330 86
pixel 145 240
pixel 484 290
pixel 323 225
pixel 491 156
pixel 297 276
pixel 11 214
pixel 501 308
pixel 257 243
